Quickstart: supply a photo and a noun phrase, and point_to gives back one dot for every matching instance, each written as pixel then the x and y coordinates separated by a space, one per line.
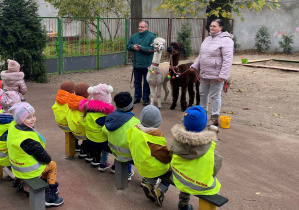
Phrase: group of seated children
pixel 22 148
pixel 191 164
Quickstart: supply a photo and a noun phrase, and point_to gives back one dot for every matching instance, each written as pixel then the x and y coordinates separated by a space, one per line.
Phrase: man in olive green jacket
pixel 143 52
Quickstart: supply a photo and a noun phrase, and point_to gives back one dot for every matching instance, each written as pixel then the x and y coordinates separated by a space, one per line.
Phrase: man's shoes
pixel 185 207
pixel 136 101
pixel 145 102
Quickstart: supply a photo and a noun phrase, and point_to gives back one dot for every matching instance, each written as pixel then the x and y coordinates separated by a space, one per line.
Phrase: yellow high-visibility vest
pixel 196 176
pixel 147 165
pixel 117 140
pixel 60 112
pixel 93 130
pixel 23 166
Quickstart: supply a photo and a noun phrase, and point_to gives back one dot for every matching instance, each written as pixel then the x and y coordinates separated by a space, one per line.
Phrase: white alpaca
pixel 157 75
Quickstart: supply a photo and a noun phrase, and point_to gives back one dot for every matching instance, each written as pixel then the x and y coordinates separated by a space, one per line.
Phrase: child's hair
pixel 20 112
pixel 81 89
pixel 150 116
pixel 195 119
pixel 8 99
pixel 68 86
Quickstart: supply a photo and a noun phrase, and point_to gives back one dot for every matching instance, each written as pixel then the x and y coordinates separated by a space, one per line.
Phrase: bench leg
pixel 37 200
pixel 204 205
pixel 121 174
pixel 70 145
pixel 1 172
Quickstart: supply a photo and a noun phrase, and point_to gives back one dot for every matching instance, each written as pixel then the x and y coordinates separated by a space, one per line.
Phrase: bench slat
pixel 36 184
pixel 216 200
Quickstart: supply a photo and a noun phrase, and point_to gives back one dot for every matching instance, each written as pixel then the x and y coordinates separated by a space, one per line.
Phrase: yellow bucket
pixel 225 121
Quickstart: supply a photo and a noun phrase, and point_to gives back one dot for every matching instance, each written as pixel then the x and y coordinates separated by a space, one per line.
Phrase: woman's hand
pixel 219 80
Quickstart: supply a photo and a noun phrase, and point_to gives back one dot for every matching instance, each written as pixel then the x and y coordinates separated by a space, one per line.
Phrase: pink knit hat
pixel 20 112
pixel 8 99
pixel 13 66
pixel 101 92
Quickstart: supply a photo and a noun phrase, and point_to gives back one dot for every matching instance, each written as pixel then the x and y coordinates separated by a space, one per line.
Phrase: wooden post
pixel 70 145
pixel 1 172
pixel 204 205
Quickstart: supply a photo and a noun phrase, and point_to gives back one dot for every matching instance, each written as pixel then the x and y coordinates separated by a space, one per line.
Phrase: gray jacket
pixel 216 56
pixel 193 145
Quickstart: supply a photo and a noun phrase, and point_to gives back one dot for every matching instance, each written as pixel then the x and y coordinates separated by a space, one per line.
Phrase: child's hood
pixel 73 102
pixel 191 145
pixel 117 119
pixel 5 75
pixel 5 118
pixel 150 130
pixel 63 96
pixel 96 106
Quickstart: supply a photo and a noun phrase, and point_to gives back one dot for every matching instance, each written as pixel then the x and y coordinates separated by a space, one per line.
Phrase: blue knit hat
pixel 195 119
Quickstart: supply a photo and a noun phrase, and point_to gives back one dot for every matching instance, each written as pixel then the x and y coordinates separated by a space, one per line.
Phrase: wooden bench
pixel 37 188
pixel 121 174
pixel 206 202
pixel 1 172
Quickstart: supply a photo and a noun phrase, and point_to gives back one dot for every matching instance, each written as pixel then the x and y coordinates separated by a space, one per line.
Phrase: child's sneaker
pixel 147 189
pixel 95 162
pixel 143 182
pixel 130 175
pixel 112 169
pixel 159 197
pixel 88 158
pixel 82 154
pixel 185 207
pixel 104 166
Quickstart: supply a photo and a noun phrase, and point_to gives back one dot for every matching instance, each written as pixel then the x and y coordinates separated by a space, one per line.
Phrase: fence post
pixel 60 59
pixel 169 30
pixel 98 43
pixel 127 38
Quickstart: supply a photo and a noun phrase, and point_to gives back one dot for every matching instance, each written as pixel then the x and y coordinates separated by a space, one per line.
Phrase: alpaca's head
pixel 174 48
pixel 159 44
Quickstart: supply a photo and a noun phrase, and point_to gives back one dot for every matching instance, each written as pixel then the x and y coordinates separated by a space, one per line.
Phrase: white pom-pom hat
pixel 101 92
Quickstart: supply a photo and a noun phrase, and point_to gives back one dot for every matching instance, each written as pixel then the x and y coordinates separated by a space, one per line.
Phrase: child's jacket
pixel 5 121
pixel 149 152
pixel 27 155
pixel 13 81
pixel 195 162
pixel 74 116
pixel 116 126
pixel 95 118
pixel 60 109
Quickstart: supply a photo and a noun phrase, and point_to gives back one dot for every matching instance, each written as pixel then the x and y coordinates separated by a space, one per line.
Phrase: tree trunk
pixel 214 5
pixel 136 12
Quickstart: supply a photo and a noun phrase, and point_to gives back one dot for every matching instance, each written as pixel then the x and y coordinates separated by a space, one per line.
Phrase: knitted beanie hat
pixel 150 116
pixel 124 102
pixel 13 66
pixel 101 92
pixel 20 112
pixel 68 86
pixel 195 119
pixel 8 99
pixel 81 89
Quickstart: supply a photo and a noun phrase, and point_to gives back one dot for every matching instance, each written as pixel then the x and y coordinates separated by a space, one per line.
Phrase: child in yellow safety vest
pixel 27 154
pixel 116 126
pixel 195 162
pixel 8 99
pixel 95 111
pixel 74 116
pixel 60 107
pixel 150 153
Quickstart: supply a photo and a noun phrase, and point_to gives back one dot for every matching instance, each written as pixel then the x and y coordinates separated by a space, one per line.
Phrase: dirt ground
pixel 259 150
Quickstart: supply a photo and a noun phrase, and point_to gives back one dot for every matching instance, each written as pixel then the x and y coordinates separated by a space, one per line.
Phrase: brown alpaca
pixel 181 76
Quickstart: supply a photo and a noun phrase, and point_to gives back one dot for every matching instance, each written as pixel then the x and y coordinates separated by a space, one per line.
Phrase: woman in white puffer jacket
pixel 213 64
